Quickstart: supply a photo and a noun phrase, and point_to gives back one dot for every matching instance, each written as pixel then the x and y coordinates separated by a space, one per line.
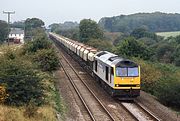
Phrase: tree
pixel 54 27
pixel 33 23
pixel 40 42
pixel 155 22
pixel 100 44
pixel 142 32
pixel 89 29
pixel 3 31
pixel 176 56
pixel 132 48
pixel 46 59
pixel 177 39
pixel 165 53
pixel 18 24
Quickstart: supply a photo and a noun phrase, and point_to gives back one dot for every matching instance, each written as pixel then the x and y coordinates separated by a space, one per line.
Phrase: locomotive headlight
pixel 137 85
pixel 116 85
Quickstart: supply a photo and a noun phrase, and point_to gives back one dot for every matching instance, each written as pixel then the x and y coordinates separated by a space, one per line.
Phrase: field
pixel 168 34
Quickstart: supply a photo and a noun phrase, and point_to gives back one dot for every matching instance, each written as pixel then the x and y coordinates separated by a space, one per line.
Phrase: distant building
pixel 16 36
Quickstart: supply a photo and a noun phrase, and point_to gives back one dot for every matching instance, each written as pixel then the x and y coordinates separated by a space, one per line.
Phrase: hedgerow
pixel 161 80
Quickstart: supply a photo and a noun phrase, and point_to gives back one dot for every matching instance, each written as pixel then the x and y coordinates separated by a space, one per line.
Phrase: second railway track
pixel 95 108
pixel 138 111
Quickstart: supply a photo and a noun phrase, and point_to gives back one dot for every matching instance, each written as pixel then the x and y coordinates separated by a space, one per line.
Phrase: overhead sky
pixel 58 11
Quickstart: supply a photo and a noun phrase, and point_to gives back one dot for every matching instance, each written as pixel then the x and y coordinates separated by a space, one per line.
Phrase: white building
pixel 16 35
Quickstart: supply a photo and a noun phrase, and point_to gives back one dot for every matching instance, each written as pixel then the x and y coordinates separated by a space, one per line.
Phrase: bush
pixel 130 47
pixel 167 91
pixel 47 60
pixel 39 42
pixel 149 75
pixel 100 44
pixel 23 83
pixel 161 80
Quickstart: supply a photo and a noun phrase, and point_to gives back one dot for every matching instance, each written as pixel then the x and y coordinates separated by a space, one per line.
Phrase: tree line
pixel 154 22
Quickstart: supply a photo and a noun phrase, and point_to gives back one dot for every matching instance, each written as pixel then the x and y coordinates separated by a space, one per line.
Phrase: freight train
pixel 120 77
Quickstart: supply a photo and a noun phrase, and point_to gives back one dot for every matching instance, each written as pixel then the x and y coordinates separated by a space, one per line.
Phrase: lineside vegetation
pixel 27 90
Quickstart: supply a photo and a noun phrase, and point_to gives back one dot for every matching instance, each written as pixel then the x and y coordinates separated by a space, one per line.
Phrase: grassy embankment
pixel 46 112
pixel 162 81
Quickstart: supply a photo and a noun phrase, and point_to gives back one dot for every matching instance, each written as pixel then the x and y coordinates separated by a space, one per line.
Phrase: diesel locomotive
pixel 120 77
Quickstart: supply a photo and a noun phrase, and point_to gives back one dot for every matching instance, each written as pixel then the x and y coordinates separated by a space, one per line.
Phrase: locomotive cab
pixel 127 78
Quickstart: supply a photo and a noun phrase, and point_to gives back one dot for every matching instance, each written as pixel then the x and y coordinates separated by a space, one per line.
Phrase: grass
pixel 44 113
pixel 168 34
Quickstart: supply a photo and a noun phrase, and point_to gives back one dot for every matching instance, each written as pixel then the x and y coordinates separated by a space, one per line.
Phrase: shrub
pixel 161 80
pixel 47 59
pixel 149 75
pixel 130 47
pixel 167 91
pixel 100 44
pixel 39 42
pixel 23 83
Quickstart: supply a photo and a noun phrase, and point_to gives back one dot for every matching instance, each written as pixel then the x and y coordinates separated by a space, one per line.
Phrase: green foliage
pixel 177 39
pixel 176 56
pixel 3 31
pixel 68 25
pixel 161 80
pixel 39 42
pixel 68 29
pixel 164 53
pixel 149 75
pixel 119 39
pixel 69 33
pixel 100 44
pixel 132 48
pixel 168 92
pixel 89 29
pixel 47 59
pixel 31 23
pixel 141 32
pixel 23 83
pixel 18 24
pixel 54 27
pixel 155 22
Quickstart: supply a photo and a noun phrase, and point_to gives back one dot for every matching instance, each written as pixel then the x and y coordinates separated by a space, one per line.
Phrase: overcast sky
pixel 51 11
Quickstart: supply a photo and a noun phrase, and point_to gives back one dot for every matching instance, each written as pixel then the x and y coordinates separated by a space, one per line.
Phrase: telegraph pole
pixel 8 13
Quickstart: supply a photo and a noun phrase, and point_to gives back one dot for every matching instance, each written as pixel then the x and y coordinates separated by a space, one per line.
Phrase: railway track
pixel 96 110
pixel 139 112
pixel 93 105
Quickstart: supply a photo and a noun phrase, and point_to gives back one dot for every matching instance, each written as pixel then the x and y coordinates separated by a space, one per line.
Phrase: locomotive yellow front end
pixel 127 79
